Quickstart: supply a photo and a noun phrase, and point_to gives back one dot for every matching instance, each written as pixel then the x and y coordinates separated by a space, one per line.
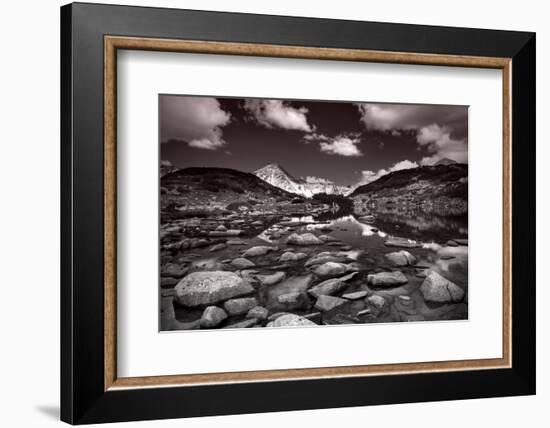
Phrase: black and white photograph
pixel 299 213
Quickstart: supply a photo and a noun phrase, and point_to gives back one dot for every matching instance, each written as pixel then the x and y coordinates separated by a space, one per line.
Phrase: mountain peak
pixel 273 167
pixel 279 177
pixel 445 161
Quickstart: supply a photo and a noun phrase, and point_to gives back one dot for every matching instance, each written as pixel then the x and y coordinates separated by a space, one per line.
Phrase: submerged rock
pixel 174 270
pixel 290 320
pixel 327 238
pixel 258 312
pixel 271 279
pixel 401 258
pixel 207 288
pixel 212 317
pixel 292 300
pixel 303 239
pixel 401 242
pixel 242 263
pixel 247 323
pixel 331 286
pixel 326 303
pixel 330 269
pixel 235 242
pixel 229 232
pixel 376 300
pixel 314 316
pixel 240 306
pixel 387 279
pixel 166 281
pixel 257 251
pixel 355 295
pixel 326 256
pixel 436 288
pixel 218 247
pixel 289 256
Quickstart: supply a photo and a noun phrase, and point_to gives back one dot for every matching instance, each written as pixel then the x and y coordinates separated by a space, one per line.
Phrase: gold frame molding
pixel 113 43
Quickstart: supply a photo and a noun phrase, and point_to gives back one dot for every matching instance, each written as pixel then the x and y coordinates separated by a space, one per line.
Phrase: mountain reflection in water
pixel 417 225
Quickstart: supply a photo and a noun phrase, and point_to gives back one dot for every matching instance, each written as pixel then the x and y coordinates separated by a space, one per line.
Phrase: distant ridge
pixel 445 161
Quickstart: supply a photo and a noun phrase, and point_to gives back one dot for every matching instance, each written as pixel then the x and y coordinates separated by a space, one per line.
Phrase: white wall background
pixel 29 226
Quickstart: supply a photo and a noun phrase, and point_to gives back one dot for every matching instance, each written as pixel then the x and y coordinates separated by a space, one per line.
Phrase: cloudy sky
pixel 341 141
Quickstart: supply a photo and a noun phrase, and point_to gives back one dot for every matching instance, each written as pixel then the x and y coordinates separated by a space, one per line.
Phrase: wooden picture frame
pixel 91 390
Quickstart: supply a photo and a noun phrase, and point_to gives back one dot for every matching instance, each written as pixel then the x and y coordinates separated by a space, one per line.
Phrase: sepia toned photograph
pixel 302 213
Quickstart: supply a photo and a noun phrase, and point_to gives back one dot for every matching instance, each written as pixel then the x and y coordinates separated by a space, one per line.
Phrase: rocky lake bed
pixel 256 269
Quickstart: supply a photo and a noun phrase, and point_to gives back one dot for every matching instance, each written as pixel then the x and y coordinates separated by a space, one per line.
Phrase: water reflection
pixel 421 226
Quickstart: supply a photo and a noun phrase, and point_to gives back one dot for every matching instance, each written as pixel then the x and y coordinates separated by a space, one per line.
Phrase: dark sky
pixel 342 141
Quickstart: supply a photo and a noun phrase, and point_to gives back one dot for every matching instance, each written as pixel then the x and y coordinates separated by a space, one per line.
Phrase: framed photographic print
pixel 316 212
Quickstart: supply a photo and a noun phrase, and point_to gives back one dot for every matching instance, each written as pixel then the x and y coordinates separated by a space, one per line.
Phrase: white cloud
pixel 343 145
pixel 438 141
pixel 278 114
pixel 308 138
pixel 369 176
pixel 195 120
pixel 395 118
pixel 435 126
pixel 389 117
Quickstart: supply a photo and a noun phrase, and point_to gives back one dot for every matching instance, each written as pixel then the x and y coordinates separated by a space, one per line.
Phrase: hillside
pixel 435 188
pixel 200 191
pixel 166 168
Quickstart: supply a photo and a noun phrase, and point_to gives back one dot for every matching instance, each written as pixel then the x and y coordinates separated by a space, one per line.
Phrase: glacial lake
pixel 363 242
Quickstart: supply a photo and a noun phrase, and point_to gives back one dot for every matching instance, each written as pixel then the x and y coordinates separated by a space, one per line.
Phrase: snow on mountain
pixel 277 176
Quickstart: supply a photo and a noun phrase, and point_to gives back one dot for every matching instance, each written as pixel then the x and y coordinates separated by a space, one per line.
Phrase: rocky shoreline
pixel 250 270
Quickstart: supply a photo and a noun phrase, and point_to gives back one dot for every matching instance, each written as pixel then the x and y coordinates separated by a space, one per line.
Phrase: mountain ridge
pixel 436 188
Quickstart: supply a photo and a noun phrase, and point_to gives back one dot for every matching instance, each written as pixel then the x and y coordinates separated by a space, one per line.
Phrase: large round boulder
pixel 436 288
pixel 290 320
pixel 401 258
pixel 330 269
pixel 208 288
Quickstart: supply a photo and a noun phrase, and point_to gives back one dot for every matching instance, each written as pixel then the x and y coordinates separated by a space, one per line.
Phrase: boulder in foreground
pixel 208 288
pixel 290 320
pixel 212 317
pixel 436 288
